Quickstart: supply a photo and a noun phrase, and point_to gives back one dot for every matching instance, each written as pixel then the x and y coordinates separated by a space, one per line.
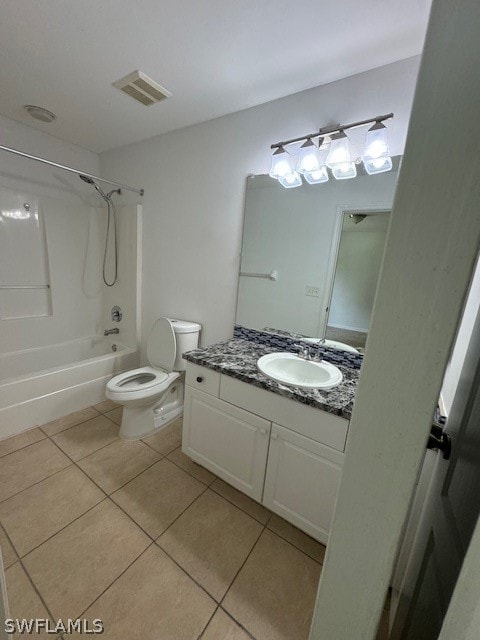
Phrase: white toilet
pixel 153 396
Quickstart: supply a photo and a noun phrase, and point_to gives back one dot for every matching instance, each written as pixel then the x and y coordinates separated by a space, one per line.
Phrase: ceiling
pixel 215 56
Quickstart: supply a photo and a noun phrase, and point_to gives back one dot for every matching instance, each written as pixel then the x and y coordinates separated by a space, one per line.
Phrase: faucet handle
pixel 302 351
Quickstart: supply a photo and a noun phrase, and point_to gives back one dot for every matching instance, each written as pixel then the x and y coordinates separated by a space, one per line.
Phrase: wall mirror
pixel 311 255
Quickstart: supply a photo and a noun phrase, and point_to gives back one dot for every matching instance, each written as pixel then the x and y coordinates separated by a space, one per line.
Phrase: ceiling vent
pixel 142 88
pixel 40 113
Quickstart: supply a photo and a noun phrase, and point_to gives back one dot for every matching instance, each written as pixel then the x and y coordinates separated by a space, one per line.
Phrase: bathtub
pixel 45 383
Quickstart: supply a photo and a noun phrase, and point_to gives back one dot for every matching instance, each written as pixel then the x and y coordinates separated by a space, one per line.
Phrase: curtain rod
pixel 71 169
pixel 332 129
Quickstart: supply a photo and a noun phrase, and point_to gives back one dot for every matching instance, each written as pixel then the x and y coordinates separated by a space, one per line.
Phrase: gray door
pixel 448 514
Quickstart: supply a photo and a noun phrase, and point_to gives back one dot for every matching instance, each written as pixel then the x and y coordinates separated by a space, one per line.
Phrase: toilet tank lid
pixel 182 326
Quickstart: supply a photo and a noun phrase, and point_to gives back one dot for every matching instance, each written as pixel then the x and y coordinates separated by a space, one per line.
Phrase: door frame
pixel 430 255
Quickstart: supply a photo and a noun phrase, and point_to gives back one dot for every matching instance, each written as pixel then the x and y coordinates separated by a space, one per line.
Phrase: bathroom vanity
pixel 282 446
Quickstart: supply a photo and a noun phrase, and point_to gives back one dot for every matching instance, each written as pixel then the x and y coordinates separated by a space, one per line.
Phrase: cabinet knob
pixel 274 435
pixel 199 379
pixel 263 432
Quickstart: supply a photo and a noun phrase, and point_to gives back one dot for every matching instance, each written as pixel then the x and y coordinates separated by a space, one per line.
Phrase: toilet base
pixel 143 421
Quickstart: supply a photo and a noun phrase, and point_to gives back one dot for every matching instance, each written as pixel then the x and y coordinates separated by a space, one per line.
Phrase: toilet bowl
pixel 152 396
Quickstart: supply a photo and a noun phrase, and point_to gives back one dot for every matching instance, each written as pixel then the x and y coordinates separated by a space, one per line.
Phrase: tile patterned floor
pixel 138 535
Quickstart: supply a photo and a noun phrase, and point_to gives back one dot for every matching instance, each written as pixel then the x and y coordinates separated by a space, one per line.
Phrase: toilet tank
pixel 186 335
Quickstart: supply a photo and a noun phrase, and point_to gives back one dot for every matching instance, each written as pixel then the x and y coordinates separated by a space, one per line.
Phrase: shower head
pixel 105 196
pixel 85 179
pixel 91 181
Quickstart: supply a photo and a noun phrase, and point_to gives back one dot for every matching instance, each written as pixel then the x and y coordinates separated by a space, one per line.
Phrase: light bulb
pixel 281 163
pixel 339 150
pixel 290 180
pixel 316 177
pixel 378 165
pixel 376 142
pixel 308 157
pixel 344 171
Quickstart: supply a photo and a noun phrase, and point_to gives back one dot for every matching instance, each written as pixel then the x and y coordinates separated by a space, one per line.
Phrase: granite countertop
pixel 238 358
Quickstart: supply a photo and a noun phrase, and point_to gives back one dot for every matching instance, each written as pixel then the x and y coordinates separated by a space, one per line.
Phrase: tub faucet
pixel 108 332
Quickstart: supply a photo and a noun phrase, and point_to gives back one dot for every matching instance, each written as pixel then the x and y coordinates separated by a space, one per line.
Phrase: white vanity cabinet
pixel 231 442
pixel 278 451
pixel 302 480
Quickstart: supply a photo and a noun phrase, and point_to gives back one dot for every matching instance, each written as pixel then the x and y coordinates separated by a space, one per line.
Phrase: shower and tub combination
pixel 68 272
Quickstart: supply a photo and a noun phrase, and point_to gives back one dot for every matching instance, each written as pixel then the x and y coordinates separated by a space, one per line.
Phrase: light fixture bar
pixel 331 129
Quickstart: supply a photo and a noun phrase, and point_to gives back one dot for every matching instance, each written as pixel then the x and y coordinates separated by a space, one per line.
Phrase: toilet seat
pixel 139 383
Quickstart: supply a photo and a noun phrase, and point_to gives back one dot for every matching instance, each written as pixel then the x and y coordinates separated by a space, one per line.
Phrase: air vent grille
pixel 142 88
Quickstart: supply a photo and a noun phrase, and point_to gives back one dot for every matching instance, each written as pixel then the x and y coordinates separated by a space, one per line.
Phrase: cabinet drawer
pixel 302 481
pixel 316 424
pixel 203 379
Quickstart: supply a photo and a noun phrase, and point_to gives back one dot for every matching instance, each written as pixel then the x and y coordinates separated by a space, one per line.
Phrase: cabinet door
pixel 302 481
pixel 230 442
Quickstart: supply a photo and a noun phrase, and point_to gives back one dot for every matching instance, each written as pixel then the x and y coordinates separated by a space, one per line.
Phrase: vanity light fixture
pixel 314 167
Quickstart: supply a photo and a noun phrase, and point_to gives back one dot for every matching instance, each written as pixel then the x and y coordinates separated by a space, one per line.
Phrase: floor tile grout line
pixel 186 470
pixel 71 426
pixel 62 528
pixel 105 415
pixel 264 524
pixel 17 557
pixel 125 483
pixel 249 633
pixel 243 564
pixel 29 577
pixel 113 501
pixel 175 562
pixel 294 545
pixel 39 481
pixel 156 450
pixel 30 444
pixel 200 636
pixel 83 457
pixel 180 515
pixel 82 614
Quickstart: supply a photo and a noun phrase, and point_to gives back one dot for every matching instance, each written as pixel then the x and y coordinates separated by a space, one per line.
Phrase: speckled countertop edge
pixel 237 358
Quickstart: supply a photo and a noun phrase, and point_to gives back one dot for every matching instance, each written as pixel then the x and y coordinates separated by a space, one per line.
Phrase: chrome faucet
pixel 108 332
pixel 308 354
pixel 303 352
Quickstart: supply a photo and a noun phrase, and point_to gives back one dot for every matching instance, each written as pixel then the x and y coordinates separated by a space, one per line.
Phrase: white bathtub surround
pixel 56 353
pixel 152 396
pixel 41 384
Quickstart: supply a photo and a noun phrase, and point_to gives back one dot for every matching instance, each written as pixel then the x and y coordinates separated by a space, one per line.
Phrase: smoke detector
pixel 142 88
pixel 40 113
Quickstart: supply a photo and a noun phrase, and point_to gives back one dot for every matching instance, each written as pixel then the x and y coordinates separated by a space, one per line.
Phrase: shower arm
pixel 71 169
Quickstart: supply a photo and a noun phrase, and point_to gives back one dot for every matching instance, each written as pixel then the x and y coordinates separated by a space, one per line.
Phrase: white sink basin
pixel 289 369
pixel 332 343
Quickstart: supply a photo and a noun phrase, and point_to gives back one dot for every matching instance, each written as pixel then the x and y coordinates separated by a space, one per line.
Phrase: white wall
pixel 194 182
pixel 20 173
pixel 358 267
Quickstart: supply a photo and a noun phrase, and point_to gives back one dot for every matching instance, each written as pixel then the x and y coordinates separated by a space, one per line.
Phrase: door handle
pixel 440 440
